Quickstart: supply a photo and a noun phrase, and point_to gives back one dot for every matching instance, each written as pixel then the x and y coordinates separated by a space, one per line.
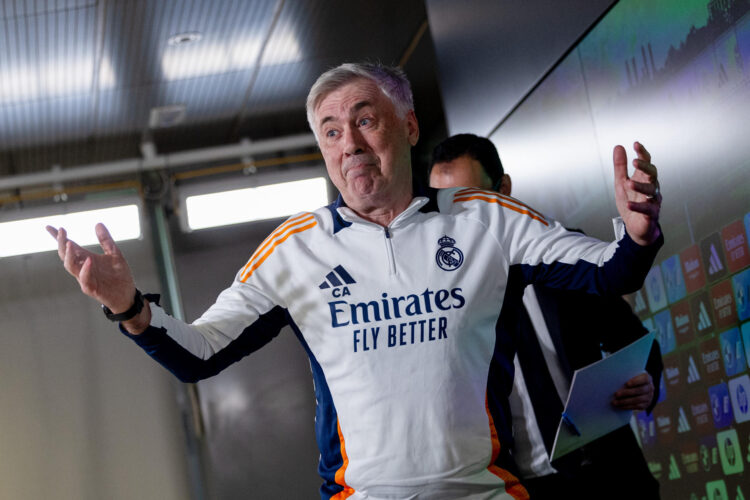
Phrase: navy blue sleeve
pixel 190 368
pixel 624 273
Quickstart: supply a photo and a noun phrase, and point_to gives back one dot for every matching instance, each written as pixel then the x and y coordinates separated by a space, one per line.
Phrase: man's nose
pixel 354 143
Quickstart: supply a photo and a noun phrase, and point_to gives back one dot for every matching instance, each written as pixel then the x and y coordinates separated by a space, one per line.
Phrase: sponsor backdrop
pixel 674 75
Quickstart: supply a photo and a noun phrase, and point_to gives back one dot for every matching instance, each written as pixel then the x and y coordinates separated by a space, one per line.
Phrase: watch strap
pixel 134 310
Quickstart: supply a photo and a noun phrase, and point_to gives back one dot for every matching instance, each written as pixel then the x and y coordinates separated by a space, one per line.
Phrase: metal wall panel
pixel 491 53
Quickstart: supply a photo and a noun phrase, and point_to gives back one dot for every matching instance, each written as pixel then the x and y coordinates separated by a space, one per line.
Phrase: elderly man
pixel 560 331
pixel 394 294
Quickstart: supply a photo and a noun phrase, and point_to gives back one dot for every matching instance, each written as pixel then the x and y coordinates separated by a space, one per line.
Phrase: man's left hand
pixel 636 394
pixel 638 198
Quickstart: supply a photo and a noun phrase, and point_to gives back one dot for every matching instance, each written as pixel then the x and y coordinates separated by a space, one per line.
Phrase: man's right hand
pixel 105 277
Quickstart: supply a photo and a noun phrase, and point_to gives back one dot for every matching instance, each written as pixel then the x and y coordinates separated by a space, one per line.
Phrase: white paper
pixel 589 404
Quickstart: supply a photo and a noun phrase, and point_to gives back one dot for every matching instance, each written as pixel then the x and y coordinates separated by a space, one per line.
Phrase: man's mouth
pixel 355 165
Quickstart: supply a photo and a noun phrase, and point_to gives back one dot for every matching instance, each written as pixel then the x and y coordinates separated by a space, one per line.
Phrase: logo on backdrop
pixel 692 269
pixel 739 389
pixel 448 257
pixel 722 300
pixel 735 246
pixel 741 285
pixel 721 406
pixel 673 279
pixel 731 349
pixel 710 359
pixel 712 252
pixel 657 297
pixel 701 311
pixel 730 452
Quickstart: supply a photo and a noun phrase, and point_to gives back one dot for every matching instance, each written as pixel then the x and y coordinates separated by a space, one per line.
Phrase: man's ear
pixel 412 127
pixel 505 185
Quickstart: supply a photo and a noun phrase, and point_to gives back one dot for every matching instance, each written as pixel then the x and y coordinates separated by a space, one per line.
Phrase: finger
pixel 62 240
pixel 642 152
pixel 638 380
pixel 632 405
pixel 648 189
pixel 640 402
pixel 641 390
pixel 85 277
pixel 646 167
pixel 620 161
pixel 106 241
pixel 51 230
pixel 649 208
pixel 70 259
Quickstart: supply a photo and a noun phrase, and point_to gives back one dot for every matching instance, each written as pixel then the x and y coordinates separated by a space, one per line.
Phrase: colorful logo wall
pixel 697 302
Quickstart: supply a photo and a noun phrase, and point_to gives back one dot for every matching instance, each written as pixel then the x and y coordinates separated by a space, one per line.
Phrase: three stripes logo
pixel 337 280
pixel 701 313
pixel 704 320
pixel 713 257
pixel 682 422
pixel 693 374
pixel 674 470
pixel 714 262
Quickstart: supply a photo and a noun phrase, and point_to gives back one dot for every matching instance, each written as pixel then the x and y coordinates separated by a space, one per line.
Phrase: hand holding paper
pixel 589 410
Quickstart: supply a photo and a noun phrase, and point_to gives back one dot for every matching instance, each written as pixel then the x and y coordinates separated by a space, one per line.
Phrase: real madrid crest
pixel 448 257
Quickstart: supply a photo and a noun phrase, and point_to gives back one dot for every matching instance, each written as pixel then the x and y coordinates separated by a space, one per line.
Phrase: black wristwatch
pixel 136 308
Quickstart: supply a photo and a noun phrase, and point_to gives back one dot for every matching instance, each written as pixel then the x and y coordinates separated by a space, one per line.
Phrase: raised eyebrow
pixel 357 107
pixel 360 105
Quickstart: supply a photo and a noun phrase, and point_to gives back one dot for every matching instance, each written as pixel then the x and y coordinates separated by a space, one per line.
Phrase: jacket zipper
pixel 389 252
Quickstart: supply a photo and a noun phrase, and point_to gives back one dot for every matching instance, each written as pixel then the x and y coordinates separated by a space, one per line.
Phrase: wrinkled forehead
pixel 349 97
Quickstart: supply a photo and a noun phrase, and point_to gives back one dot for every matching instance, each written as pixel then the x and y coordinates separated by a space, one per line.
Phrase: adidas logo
pixel 674 471
pixel 682 422
pixel 693 375
pixel 336 278
pixel 714 262
pixel 704 320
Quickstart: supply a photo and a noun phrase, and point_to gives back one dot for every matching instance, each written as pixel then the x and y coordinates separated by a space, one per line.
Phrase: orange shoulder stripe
pixel 512 485
pixel 339 477
pixel 276 238
pixel 504 204
pixel 467 191
pixel 286 224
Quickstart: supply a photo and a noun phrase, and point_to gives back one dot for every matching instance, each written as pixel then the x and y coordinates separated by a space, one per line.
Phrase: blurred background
pixel 144 108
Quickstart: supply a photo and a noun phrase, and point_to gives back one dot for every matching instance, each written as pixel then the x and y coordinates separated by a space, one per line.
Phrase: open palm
pixel 105 277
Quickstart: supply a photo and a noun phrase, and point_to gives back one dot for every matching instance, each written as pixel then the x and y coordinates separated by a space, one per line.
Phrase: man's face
pixel 366 146
pixel 463 171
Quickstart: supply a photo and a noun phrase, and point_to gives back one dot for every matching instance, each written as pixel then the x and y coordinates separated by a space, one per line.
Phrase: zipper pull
pixel 387 233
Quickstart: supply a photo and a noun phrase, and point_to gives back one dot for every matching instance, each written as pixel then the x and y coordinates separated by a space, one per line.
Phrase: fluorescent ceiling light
pixel 18 84
pixel 187 61
pixel 259 203
pixel 26 236
pixel 106 75
pixel 53 79
pixel 282 48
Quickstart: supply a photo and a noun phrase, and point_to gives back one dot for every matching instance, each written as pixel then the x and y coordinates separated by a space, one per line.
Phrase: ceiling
pixel 80 79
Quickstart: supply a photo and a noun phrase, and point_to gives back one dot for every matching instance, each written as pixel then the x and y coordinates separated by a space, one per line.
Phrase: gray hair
pixel 390 80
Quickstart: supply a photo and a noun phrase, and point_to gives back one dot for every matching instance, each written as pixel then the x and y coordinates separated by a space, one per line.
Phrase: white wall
pixel 84 413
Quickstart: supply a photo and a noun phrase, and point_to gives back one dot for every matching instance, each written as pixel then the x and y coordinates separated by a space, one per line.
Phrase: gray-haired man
pixel 394 293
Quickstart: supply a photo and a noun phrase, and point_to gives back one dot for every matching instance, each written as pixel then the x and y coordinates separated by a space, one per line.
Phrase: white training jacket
pixel 400 323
